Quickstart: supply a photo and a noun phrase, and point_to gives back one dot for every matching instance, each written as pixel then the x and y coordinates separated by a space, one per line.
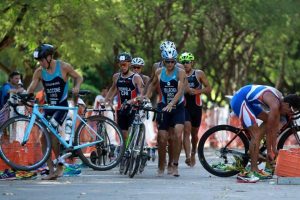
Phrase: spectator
pixel 14 85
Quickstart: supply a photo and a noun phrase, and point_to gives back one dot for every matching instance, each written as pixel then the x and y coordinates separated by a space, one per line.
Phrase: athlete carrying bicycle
pixel 127 85
pixel 54 76
pixel 266 103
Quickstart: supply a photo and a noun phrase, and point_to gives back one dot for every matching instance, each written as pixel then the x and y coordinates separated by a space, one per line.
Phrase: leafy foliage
pixel 235 42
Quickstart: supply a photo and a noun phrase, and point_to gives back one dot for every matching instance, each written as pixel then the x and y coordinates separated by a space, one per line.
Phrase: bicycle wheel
pixel 130 145
pixel 289 139
pixel 105 154
pixel 137 151
pixel 222 150
pixel 28 156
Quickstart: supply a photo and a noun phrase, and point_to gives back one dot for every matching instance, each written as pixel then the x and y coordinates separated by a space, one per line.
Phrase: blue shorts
pixel 58 115
pixel 166 120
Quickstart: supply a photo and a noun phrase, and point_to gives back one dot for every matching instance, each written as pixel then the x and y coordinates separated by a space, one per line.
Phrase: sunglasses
pixel 170 61
pixel 40 59
pixel 186 62
pixel 123 64
pixel 136 67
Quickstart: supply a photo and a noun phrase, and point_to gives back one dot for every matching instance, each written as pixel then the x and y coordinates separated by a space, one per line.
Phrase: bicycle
pixel 223 149
pixel 21 138
pixel 135 158
pixel 103 156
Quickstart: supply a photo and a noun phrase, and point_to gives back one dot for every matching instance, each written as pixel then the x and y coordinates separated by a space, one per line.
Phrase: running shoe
pixel 224 167
pixel 8 175
pixel 247 177
pixel 269 168
pixel 239 163
pixel 262 175
pixel 72 170
pixel 23 175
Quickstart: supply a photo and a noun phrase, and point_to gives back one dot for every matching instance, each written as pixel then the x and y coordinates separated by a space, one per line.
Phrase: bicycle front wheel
pixel 222 150
pixel 109 148
pixel 29 156
pixel 136 151
pixel 290 139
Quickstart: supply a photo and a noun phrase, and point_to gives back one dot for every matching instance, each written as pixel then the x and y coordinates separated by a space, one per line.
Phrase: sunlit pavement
pixel 193 183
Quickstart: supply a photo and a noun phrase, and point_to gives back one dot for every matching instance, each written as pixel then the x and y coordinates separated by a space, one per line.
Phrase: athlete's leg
pixel 195 116
pixel 195 140
pixel 177 147
pixel 187 141
pixel 170 149
pixel 256 136
pixel 162 141
pixel 55 148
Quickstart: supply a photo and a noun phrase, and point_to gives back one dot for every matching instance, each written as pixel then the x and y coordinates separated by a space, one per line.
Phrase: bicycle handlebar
pixel 139 105
pixel 103 108
pixel 28 98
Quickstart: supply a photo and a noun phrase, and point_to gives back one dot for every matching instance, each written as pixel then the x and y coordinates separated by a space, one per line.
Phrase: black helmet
pixel 293 100
pixel 43 51
pixel 124 57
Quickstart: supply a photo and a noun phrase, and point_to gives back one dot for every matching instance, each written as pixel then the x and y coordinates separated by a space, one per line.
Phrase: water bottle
pixel 68 128
pixel 53 122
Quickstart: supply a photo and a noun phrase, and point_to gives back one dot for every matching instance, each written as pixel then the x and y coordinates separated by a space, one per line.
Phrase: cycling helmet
pixel 166 45
pixel 138 61
pixel 293 100
pixel 43 51
pixel 124 57
pixel 186 56
pixel 169 53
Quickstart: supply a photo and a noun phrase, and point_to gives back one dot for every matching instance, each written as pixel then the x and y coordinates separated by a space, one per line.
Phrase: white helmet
pixel 137 61
pixel 169 53
pixel 167 44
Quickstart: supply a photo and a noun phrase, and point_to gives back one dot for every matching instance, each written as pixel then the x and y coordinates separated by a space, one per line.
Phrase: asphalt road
pixel 193 183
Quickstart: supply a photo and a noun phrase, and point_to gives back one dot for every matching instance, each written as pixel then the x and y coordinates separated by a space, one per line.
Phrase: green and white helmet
pixel 186 56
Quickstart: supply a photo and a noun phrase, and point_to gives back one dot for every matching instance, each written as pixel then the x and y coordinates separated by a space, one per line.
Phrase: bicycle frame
pixel 285 128
pixel 37 115
pixel 135 125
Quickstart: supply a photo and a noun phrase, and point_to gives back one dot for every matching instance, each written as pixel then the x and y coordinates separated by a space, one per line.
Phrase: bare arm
pixel 77 78
pixel 202 78
pixel 272 124
pixel 152 84
pixel 113 89
pixel 146 80
pixel 139 83
pixel 207 88
pixel 154 68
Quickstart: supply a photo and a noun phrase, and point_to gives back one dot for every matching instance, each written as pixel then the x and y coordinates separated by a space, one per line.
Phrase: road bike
pixel 224 148
pixel 21 138
pixel 136 154
pixel 103 156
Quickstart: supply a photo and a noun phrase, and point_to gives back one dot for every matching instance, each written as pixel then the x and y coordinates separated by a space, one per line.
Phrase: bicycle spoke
pixel 105 154
pixel 222 152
